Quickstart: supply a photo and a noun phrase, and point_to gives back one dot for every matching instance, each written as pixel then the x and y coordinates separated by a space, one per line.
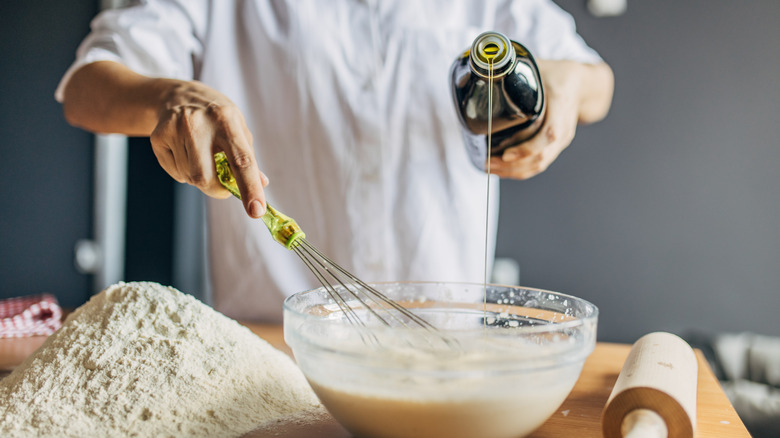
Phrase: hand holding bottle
pixel 576 93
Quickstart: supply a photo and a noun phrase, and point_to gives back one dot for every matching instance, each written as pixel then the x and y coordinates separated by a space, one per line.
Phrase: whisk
pixel 342 286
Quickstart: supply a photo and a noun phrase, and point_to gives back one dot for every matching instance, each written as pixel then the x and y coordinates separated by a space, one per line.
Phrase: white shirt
pixel 353 122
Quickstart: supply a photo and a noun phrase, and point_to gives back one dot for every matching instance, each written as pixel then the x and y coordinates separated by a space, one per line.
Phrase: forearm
pixel 107 97
pixel 584 88
pixel 596 89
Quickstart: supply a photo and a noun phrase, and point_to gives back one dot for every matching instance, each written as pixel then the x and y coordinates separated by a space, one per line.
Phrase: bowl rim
pixel 287 307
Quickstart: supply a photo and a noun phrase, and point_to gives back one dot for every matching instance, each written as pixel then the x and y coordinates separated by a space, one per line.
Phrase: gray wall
pixel 45 165
pixel 667 214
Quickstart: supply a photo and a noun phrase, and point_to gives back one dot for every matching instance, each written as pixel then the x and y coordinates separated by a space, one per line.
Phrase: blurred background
pixel 665 215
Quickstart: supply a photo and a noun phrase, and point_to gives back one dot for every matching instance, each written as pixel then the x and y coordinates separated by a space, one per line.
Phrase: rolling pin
pixel 655 393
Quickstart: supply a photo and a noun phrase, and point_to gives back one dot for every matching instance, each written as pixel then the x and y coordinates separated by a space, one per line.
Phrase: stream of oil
pixel 490 51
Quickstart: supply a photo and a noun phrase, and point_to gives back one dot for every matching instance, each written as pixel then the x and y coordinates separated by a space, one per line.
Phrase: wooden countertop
pixel 581 412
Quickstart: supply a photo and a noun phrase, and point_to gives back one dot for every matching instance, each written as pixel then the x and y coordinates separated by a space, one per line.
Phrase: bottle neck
pixel 491 54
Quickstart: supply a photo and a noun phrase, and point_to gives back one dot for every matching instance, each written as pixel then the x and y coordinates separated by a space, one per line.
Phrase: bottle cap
pixel 491 51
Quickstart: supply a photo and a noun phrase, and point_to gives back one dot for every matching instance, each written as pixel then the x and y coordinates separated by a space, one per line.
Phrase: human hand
pixel 196 122
pixel 569 102
pixel 187 122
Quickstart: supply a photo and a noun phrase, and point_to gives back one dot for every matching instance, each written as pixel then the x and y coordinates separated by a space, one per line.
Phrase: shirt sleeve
pixel 162 38
pixel 548 31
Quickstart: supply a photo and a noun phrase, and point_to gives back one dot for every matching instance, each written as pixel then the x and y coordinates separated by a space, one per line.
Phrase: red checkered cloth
pixel 29 316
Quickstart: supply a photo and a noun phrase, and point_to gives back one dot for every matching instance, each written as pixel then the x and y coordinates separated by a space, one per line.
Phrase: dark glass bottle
pixel 518 97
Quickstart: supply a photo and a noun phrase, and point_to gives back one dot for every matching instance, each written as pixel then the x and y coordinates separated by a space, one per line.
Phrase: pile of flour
pixel 140 359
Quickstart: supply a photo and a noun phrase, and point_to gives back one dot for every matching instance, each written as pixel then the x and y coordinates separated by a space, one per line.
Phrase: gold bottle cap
pixel 492 51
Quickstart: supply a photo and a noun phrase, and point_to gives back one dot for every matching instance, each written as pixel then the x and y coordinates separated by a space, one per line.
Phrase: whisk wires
pixel 334 278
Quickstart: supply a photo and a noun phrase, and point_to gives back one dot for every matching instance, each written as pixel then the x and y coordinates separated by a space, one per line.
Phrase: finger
pixel 203 173
pixel 168 163
pixel 520 162
pixel 200 167
pixel 525 160
pixel 241 157
pixel 532 147
pixel 185 139
pixel 515 170
pixel 250 140
pixel 162 150
pixel 248 178
pixel 533 157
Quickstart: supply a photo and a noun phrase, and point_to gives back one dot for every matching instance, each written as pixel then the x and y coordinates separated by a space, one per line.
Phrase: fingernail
pixel 264 179
pixel 256 209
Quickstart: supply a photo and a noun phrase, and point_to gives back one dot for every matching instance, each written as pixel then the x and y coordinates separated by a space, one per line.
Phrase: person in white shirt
pixel 345 105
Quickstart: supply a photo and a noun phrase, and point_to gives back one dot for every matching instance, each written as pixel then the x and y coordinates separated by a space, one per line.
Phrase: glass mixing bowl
pixel 501 361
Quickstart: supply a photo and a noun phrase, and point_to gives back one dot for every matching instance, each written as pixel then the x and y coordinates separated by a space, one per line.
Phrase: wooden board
pixel 13 351
pixel 580 414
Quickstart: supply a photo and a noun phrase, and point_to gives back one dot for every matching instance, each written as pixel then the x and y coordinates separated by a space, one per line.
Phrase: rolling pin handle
pixel 643 423
pixel 659 377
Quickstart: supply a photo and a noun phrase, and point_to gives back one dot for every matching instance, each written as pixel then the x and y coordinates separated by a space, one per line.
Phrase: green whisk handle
pixel 283 228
